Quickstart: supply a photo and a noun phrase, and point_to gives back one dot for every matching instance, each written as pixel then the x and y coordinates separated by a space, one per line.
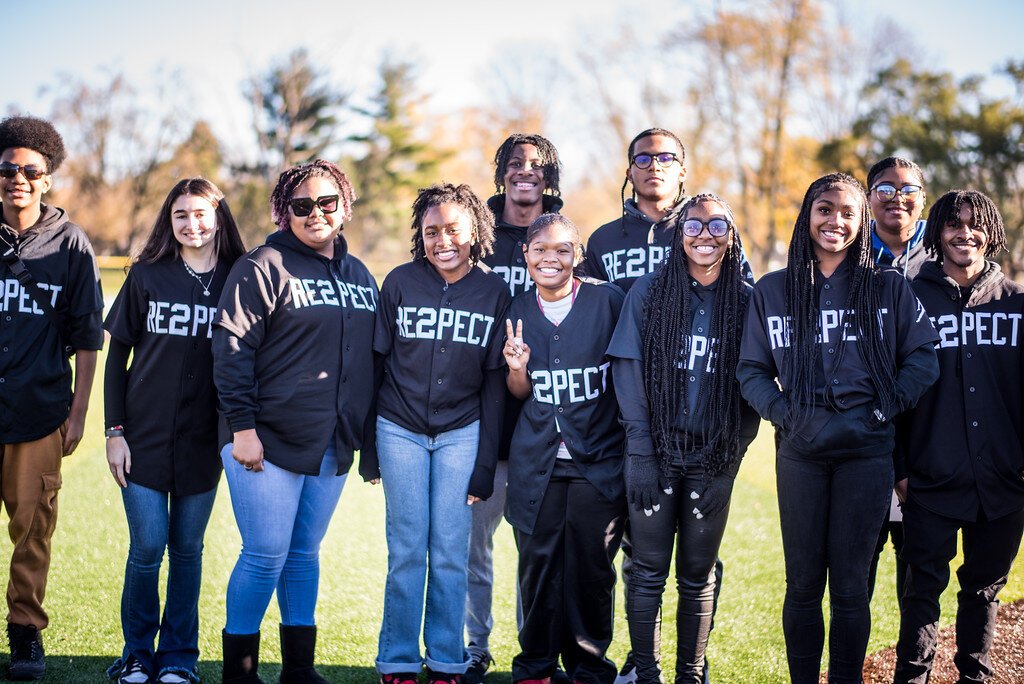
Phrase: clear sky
pixel 215 45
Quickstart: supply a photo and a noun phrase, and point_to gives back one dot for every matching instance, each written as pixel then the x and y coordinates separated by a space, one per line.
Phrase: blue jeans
pixel 158 521
pixel 831 511
pixel 282 517
pixel 428 522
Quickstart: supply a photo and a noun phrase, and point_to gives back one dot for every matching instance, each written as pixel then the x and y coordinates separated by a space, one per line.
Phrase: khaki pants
pixel 29 482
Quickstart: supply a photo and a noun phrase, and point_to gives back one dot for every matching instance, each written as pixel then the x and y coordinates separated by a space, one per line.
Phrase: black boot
pixel 241 658
pixel 297 646
pixel 26 652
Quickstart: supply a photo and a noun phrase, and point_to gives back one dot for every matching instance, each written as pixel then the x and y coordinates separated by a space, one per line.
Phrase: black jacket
pixel 572 399
pixel 35 375
pixel 292 353
pixel 964 442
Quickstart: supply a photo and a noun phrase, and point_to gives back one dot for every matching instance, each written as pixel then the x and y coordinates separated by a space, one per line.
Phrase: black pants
pixel 989 548
pixel 696 551
pixel 830 511
pixel 567 581
pixel 893 529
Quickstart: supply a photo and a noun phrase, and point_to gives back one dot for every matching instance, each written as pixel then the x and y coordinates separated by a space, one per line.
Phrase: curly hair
pixel 35 134
pixel 986 217
pixel 289 180
pixel 668 315
pixel 161 242
pixel 546 150
pixel 464 197
pixel 801 358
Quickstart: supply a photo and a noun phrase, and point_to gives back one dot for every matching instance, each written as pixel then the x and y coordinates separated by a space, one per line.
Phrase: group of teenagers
pixel 597 398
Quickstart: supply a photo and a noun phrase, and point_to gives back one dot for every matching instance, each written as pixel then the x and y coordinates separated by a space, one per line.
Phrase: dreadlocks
pixel 629 161
pixel 463 196
pixel 667 319
pixel 802 356
pixel 548 155
pixel 986 217
pixel 289 180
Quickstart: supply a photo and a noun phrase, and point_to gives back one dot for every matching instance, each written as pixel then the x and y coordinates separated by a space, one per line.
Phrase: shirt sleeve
pixel 634 411
pixel 626 342
pixel 85 299
pixel 384 326
pixel 756 371
pixel 115 383
pixel 127 316
pixel 495 358
pixel 492 414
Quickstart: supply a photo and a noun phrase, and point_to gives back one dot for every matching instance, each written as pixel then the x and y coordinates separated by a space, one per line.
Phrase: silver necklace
pixel 205 286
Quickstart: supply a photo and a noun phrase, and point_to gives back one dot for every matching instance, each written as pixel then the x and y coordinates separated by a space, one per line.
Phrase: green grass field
pixel 91 543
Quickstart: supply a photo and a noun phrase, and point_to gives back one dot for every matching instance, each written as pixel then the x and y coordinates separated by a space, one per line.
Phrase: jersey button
pixel 543 472
pixel 693 378
pixel 835 381
pixel 826 286
pixel 702 312
pixel 435 412
pixel 974 424
pixel 828 302
pixel 968 354
pixel 195 345
pixel 442 350
pixel 551 442
pixel 558 361
pixel 7 318
pixel 191 376
pixel 561 410
pixel 832 350
pixel 439 381
pixel 556 337
pixel 5 349
pixel 700 329
pixel 972 389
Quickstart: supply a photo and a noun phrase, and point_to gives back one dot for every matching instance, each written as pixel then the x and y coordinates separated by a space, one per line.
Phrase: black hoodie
pixel 963 445
pixel 630 246
pixel 35 375
pixel 292 352
pixel 507 259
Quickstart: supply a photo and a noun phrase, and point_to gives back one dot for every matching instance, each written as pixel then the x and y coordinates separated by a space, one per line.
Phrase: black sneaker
pixel 627 675
pixel 27 662
pixel 479 663
pixel 128 671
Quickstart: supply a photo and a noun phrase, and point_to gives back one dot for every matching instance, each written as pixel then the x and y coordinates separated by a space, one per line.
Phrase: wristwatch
pixel 116 431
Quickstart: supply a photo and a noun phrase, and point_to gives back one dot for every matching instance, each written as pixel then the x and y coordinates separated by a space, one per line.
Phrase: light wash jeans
pixel 282 517
pixel 425 480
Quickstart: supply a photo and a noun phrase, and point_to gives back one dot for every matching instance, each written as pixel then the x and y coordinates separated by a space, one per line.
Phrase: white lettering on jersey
pixel 428 323
pixel 180 320
pixel 703 351
pixel 570 385
pixel 517 278
pixel 312 292
pixel 832 327
pixel 15 298
pixel 977 328
pixel 634 262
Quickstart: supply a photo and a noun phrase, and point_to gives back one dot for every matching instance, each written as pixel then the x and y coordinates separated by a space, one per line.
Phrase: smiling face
pixel 657 183
pixel 20 193
pixel 550 257
pixel 835 221
pixel 448 237
pixel 194 222
pixel 524 176
pixel 898 216
pixel 963 241
pixel 704 253
pixel 318 230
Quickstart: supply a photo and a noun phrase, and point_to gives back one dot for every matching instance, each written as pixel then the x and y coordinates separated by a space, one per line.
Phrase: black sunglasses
pixel 717 227
pixel 30 171
pixel 887 192
pixel 644 160
pixel 303 206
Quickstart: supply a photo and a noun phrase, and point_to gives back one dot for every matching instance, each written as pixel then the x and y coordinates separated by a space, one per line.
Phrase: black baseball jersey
pixel 35 374
pixel 439 341
pixel 293 354
pixel 572 400
pixel 964 442
pixel 697 355
pixel 844 388
pixel 630 246
pixel 507 259
pixel 170 403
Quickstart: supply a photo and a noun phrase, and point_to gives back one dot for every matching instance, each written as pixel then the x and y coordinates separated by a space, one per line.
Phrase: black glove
pixel 714 498
pixel 642 479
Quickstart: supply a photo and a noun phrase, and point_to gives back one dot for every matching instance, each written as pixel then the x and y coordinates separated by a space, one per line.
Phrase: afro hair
pixel 35 134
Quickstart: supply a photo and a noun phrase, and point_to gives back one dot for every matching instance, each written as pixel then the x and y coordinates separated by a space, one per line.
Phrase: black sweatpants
pixel 929 546
pixel 567 581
